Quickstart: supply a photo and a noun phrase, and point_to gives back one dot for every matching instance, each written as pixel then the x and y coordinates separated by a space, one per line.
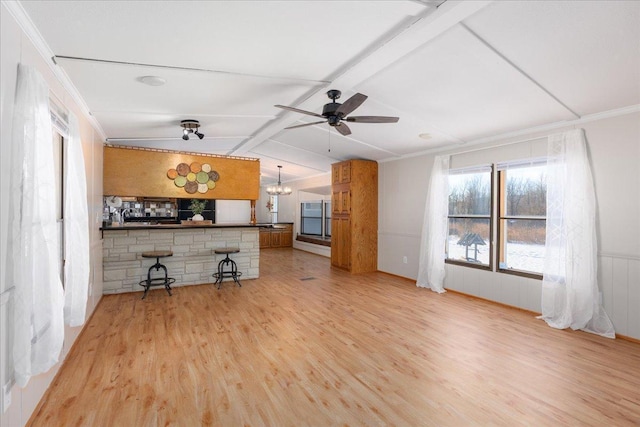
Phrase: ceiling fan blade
pixel 306 124
pixel 351 104
pixel 372 119
pixel 309 113
pixel 343 129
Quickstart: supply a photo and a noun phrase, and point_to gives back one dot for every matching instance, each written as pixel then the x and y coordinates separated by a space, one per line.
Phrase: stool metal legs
pixel 158 281
pixel 234 273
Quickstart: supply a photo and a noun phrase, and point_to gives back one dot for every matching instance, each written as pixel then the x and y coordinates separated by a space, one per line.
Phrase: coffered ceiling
pixel 454 72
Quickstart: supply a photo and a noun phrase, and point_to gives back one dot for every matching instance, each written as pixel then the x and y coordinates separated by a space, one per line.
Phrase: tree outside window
pixel 469 238
pixel 520 201
pixel 522 218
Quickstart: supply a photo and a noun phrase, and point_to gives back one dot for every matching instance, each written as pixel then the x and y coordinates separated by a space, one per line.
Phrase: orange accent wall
pixel 143 173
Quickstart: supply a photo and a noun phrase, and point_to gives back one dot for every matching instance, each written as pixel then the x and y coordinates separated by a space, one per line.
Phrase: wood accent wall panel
pixel 354 240
pixel 142 173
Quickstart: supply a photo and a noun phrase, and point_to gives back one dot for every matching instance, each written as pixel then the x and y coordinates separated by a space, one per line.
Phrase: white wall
pixel 614 145
pixel 16 47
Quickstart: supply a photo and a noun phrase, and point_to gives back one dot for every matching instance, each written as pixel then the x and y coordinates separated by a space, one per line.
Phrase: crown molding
pixel 33 34
pixel 528 133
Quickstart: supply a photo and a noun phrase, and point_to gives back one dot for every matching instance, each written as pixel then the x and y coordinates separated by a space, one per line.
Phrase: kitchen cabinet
pixel 280 236
pixel 341 172
pixel 354 217
pixel 265 238
pixel 275 238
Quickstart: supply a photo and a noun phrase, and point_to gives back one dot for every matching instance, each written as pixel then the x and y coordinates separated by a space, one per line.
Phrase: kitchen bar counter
pixel 151 225
pixel 193 261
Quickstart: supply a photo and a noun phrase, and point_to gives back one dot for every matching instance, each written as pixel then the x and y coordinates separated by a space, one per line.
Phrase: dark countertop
pixel 156 226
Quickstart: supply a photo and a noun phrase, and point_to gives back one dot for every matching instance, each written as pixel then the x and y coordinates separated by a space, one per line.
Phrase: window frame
pixel 490 216
pixel 497 230
pixel 325 217
pixel 274 209
pixel 319 218
pixel 501 217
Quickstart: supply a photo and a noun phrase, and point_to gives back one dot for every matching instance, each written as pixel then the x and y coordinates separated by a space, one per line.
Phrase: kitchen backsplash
pixel 142 209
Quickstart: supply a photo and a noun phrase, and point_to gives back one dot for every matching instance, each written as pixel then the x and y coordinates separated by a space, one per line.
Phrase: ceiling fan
pixel 335 113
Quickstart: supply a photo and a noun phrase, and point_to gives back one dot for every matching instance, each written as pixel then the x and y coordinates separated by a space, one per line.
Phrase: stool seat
pixel 223 251
pixel 233 273
pixel 157 281
pixel 156 254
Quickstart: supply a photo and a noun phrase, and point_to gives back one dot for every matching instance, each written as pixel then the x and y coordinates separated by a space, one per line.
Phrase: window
pixel 469 237
pixel 273 209
pixel 327 218
pixel 315 218
pixel 519 201
pixel 522 216
pixel 311 218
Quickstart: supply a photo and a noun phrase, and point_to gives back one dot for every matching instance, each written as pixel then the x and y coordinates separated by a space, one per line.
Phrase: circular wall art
pixel 195 167
pixel 196 177
pixel 191 187
pixel 183 169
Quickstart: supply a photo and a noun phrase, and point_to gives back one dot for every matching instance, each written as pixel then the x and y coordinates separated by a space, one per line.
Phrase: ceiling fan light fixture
pixel 278 190
pixel 335 113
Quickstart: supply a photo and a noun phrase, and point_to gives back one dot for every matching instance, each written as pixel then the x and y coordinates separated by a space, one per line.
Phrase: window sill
pixel 316 240
pixel 468 264
pixel 520 273
pixel 485 267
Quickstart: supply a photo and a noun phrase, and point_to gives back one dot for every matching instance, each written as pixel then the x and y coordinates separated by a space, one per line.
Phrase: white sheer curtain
pixel 76 229
pixel 570 296
pixel 434 228
pixel 33 246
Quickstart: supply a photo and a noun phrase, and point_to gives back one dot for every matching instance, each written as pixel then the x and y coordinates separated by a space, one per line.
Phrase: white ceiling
pixel 459 71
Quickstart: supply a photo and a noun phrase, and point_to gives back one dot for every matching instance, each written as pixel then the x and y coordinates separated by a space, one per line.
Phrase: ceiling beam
pixel 425 27
pixel 518 69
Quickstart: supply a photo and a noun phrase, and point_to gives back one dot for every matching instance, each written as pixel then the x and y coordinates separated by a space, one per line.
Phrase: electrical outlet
pixel 404 259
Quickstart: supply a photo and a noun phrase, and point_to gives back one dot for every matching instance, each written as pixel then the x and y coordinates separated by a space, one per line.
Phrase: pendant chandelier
pixel 278 190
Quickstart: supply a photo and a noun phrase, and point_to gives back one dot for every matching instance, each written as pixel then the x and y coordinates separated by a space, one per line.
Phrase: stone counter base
pixel 193 261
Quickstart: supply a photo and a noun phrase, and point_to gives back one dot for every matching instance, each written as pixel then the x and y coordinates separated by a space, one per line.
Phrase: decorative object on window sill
pixel 194 178
pixel 278 190
pixel 188 128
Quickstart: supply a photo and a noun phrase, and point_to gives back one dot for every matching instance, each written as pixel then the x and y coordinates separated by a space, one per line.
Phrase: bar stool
pixel 221 274
pixel 157 281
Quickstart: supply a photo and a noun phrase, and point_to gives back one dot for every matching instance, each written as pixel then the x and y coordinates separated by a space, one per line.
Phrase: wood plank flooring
pixel 308 345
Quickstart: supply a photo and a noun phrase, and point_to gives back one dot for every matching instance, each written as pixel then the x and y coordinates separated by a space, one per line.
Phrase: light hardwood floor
pixel 308 345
